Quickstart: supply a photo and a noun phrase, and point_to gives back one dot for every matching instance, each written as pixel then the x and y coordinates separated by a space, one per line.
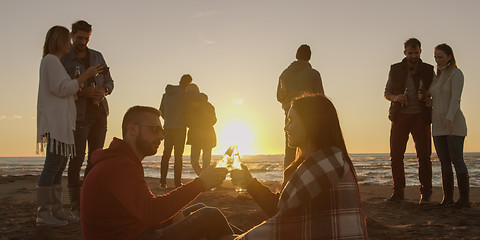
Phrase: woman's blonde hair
pixel 56 38
pixel 451 65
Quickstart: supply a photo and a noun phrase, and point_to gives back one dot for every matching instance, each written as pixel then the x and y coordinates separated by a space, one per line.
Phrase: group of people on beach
pixel 319 197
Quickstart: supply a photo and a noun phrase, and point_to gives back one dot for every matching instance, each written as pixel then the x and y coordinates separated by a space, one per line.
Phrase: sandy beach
pixel 406 220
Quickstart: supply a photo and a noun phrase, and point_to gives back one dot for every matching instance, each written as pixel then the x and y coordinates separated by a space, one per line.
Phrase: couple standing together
pixel 185 106
pixel 72 110
pixel 419 97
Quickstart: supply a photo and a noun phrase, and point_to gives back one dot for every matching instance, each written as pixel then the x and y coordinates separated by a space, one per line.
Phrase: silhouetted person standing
pixel 172 109
pixel 297 79
pixel 91 103
pixel 200 118
pixel 410 115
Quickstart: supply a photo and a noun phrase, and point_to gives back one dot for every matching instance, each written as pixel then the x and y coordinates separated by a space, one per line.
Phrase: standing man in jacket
pixel 409 115
pixel 294 81
pixel 172 109
pixel 92 106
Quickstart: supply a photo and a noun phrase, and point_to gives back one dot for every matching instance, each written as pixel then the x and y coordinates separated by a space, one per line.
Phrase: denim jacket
pixel 70 61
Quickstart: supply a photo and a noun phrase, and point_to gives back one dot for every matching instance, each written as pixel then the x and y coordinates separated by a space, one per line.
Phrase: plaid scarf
pixel 319 201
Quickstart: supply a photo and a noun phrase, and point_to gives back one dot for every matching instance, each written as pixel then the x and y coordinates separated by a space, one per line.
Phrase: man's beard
pixel 414 61
pixel 144 147
pixel 80 48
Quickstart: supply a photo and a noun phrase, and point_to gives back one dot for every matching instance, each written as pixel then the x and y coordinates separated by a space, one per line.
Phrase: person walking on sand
pixel 172 108
pixel 92 106
pixel 449 127
pixel 117 203
pixel 410 115
pixel 200 118
pixel 297 79
pixel 56 116
pixel 319 198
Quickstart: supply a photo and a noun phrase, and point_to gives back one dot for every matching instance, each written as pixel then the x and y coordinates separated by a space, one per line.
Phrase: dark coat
pixel 200 118
pixel 173 107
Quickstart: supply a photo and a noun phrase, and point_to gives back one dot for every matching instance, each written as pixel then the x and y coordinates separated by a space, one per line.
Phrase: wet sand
pixel 406 220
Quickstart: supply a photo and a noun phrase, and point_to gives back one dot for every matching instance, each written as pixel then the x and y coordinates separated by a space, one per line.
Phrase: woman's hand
pixel 93 71
pixel 241 176
pixel 449 126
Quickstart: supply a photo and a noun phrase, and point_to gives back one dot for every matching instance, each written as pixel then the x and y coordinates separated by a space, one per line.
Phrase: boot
pixel 397 196
pixel 464 189
pixel 57 205
pixel 447 182
pixel 44 211
pixel 425 199
pixel 74 195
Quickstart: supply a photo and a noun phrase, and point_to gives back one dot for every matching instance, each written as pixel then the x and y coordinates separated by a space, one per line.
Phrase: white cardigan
pixel 56 111
pixel 446 92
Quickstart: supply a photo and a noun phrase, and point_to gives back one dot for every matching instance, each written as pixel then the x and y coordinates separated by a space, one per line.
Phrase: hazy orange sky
pixel 235 51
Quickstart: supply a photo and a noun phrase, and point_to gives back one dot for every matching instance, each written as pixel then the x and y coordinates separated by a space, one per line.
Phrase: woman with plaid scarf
pixel 319 197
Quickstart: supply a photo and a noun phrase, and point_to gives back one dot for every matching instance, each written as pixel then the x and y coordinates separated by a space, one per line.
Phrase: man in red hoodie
pixel 116 202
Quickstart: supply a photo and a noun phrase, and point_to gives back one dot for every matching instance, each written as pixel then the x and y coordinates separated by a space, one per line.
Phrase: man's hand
pixel 99 94
pixel 212 176
pixel 87 92
pixel 401 99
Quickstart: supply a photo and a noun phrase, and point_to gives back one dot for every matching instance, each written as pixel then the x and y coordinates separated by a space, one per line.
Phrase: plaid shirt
pixel 319 200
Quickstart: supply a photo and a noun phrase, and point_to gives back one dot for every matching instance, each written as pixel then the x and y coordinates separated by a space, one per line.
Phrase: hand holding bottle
pixel 401 98
pixel 90 72
pixel 212 176
pixel 241 177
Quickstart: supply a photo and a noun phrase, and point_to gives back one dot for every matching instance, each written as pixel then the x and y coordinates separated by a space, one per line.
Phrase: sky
pixel 235 51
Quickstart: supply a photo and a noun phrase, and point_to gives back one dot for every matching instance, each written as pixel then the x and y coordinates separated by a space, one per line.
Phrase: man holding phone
pixel 92 106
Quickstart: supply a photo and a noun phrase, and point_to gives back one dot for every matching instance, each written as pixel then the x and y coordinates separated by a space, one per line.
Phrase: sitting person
pixel 116 202
pixel 319 197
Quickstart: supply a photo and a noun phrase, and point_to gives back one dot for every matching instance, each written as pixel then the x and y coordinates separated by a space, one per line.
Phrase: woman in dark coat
pixel 200 118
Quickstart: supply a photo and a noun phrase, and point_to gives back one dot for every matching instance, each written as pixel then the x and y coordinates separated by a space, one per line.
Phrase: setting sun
pixel 236 133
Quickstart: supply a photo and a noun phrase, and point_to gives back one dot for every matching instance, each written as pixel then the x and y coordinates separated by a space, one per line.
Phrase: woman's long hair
pixel 57 37
pixel 451 65
pixel 321 123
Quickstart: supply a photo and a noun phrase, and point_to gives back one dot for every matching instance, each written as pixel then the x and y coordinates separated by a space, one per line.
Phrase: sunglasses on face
pixel 157 129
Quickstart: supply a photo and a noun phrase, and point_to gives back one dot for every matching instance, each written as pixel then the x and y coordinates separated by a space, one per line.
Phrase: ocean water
pixel 371 168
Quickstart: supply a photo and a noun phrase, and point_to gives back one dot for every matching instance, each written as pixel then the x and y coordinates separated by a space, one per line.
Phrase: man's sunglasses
pixel 157 129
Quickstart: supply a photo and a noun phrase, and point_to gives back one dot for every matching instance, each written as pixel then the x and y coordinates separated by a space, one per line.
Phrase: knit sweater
pixel 446 92
pixel 56 111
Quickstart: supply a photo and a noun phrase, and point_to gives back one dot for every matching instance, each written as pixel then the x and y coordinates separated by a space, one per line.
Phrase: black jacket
pixel 397 80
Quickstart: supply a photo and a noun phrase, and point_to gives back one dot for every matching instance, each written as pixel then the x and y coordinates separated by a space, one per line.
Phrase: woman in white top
pixel 448 125
pixel 56 115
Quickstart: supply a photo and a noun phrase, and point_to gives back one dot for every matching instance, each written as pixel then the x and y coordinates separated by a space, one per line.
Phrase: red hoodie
pixel 116 202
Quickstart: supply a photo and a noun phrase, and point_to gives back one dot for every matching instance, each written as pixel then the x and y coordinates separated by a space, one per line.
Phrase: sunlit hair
pixel 193 88
pixel 57 37
pixel 135 114
pixel 321 123
pixel 412 43
pixel 185 80
pixel 81 25
pixel 449 52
